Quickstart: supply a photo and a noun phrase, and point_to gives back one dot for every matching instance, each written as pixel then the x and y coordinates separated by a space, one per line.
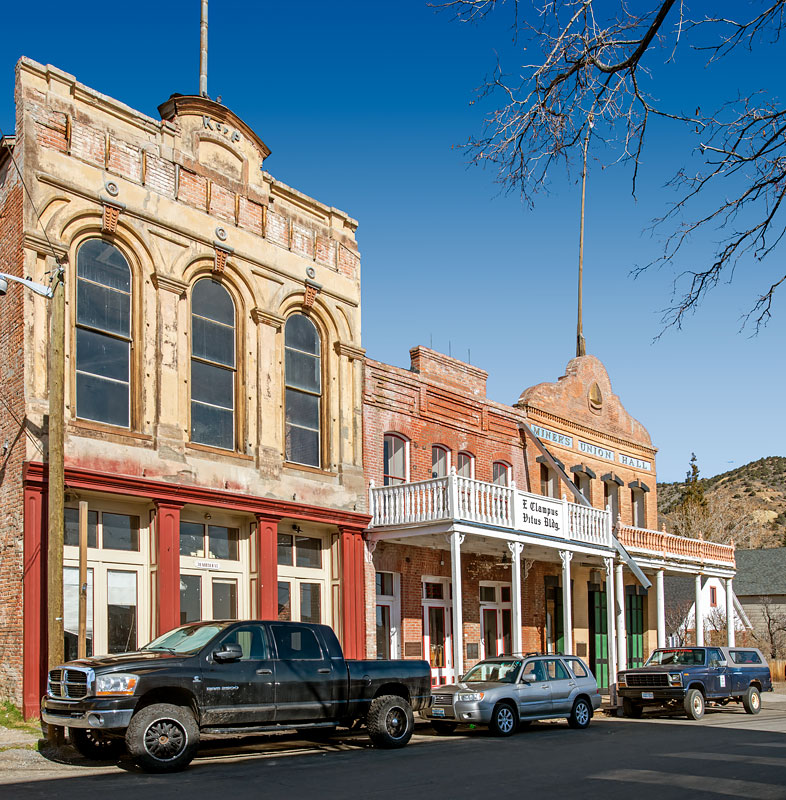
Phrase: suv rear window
pixel 578 669
pixel 745 657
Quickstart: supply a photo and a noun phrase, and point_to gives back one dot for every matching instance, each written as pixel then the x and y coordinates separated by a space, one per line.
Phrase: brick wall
pixel 12 421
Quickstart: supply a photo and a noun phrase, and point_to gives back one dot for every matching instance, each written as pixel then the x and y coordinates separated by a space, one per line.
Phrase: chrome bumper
pixel 89 719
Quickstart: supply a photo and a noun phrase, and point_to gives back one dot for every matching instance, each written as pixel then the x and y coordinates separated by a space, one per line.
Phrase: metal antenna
pixel 581 346
pixel 203 51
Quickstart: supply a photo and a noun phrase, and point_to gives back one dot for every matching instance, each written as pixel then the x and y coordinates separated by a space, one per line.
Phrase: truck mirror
pixel 528 678
pixel 230 651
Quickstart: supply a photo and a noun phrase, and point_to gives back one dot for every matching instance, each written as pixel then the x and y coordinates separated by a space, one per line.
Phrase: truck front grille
pixel 68 683
pixel 647 679
pixel 442 700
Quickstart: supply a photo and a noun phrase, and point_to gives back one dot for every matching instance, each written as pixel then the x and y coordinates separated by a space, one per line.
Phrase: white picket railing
pixel 455 497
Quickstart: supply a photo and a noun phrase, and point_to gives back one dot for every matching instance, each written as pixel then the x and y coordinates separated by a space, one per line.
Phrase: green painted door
pixel 599 638
pixel 634 625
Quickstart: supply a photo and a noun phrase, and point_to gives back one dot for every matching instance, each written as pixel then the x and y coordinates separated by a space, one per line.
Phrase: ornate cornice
pixel 267 318
pixel 44 246
pixel 166 284
pixel 350 351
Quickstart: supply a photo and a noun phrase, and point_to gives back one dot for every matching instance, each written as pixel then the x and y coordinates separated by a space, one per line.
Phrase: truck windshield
pixel 187 639
pixel 684 656
pixel 493 672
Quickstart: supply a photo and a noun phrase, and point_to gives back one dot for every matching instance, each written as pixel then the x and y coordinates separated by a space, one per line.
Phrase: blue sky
pixel 363 105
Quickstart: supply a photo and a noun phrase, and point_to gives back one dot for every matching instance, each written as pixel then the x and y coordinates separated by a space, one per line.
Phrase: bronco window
pixel 688 657
pixel 745 657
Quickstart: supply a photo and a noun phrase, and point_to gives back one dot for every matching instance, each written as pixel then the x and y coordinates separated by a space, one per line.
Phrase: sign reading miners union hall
pixel 594 450
pixel 552 436
pixel 637 463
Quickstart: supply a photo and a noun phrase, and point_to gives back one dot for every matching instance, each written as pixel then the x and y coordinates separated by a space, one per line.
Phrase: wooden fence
pixel 778 669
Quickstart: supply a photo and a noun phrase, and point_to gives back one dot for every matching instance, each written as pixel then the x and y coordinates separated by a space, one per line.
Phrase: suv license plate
pixel 437 712
pixel 647 695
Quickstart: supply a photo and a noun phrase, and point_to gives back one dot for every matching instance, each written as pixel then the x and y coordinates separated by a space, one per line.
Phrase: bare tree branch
pixel 594 61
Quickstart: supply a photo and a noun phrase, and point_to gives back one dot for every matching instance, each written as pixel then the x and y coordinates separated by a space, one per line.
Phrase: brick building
pixel 525 527
pixel 213 382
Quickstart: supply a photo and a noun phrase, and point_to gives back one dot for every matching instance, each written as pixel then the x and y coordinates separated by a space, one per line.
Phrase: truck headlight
pixel 675 679
pixel 116 683
pixel 621 680
pixel 470 697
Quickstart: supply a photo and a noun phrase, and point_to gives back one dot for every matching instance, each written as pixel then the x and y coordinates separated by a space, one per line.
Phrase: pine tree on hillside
pixel 693 489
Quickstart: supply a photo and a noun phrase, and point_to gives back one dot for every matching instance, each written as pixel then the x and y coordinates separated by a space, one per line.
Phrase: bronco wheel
pixel 631 709
pixel 163 738
pixel 503 720
pixel 443 728
pixel 390 721
pixel 581 714
pixel 751 701
pixel 694 704
pixel 96 745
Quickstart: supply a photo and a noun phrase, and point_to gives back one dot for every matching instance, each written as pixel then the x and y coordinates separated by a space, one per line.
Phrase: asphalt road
pixel 727 754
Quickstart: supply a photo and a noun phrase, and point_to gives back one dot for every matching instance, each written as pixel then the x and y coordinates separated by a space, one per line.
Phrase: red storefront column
pixel 353 613
pixel 33 603
pixel 267 560
pixel 168 535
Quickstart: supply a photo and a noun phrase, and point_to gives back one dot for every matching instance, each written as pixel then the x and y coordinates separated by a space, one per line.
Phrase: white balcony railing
pixel 465 499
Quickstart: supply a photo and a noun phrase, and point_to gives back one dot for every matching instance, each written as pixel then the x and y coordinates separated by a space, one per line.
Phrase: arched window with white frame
pixel 501 473
pixel 213 365
pixel 395 458
pixel 303 379
pixel 465 465
pixel 440 461
pixel 103 334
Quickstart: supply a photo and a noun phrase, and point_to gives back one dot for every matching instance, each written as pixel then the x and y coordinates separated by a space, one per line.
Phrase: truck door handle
pixel 324 670
pixel 264 672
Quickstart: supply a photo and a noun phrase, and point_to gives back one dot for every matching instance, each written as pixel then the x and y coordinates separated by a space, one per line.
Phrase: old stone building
pixel 213 380
pixel 499 529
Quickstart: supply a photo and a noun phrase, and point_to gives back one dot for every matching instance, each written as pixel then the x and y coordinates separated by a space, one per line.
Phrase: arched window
pixel 303 379
pixel 394 468
pixel 440 461
pixel 465 465
pixel 501 473
pixel 103 334
pixel 212 365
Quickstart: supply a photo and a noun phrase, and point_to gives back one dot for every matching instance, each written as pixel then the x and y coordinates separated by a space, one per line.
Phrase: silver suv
pixel 508 691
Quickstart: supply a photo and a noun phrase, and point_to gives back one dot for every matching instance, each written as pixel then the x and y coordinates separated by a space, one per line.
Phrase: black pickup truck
pixel 229 677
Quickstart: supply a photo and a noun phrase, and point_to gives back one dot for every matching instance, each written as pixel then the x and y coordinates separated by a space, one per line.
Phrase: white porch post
pixel 698 614
pixel 610 636
pixel 515 595
pixel 567 606
pixel 458 624
pixel 660 600
pixel 622 638
pixel 729 614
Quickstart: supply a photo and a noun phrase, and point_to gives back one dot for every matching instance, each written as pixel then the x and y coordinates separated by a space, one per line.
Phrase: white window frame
pixel 393 602
pixel 471 458
pixel 404 439
pixel 295 576
pixel 499 606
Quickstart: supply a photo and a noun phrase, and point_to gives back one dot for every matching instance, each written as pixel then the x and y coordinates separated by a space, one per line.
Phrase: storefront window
pixel 223 542
pixel 383 631
pixel 192 540
pixel 71 612
pixel 121 611
pixel 71 532
pixel 190 598
pixel 284 601
pixel 119 532
pixel 310 602
pixel 224 599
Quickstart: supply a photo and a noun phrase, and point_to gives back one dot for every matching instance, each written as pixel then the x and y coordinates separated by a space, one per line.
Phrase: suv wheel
pixel 96 745
pixel 751 701
pixel 163 738
pixel 503 720
pixel 390 721
pixel 694 704
pixel 631 709
pixel 581 714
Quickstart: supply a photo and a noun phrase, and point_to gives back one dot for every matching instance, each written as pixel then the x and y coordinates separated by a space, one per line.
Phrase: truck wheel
pixel 390 721
pixel 163 738
pixel 694 704
pixel 631 709
pixel 503 720
pixel 751 701
pixel 96 745
pixel 443 728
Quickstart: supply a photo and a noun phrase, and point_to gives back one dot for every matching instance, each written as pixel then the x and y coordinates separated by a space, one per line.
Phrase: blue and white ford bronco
pixel 693 677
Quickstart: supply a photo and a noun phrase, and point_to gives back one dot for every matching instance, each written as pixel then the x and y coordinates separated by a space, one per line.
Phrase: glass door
pixel 495 619
pixel 437 640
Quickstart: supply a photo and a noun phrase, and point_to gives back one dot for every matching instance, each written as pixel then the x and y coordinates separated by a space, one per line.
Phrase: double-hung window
pixel 212 365
pixel 395 460
pixel 303 378
pixel 103 334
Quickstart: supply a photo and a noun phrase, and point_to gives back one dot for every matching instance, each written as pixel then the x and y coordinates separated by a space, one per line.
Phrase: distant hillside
pixel 758 487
